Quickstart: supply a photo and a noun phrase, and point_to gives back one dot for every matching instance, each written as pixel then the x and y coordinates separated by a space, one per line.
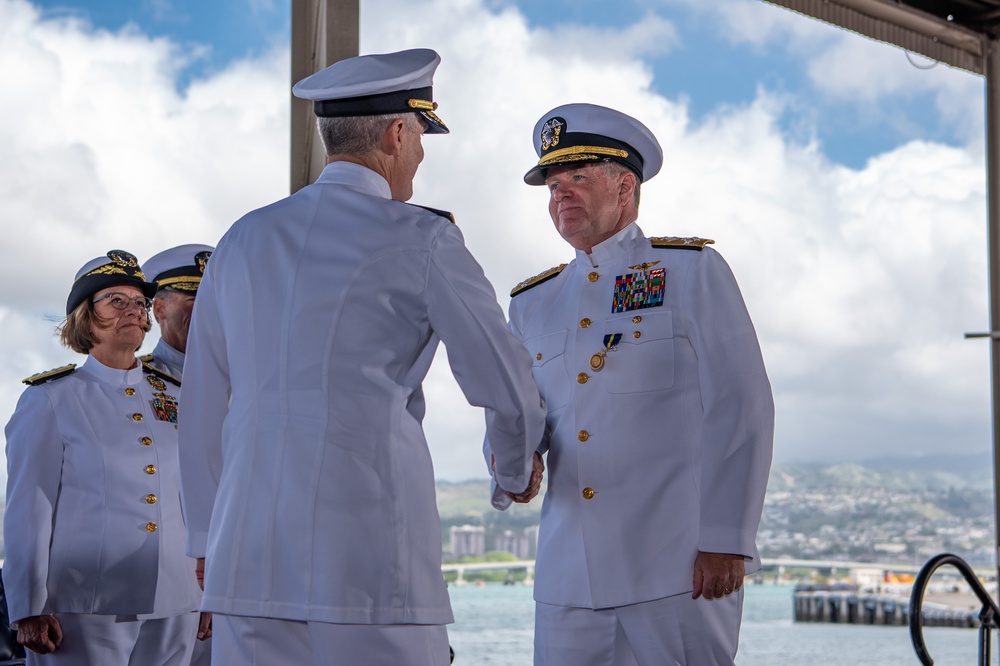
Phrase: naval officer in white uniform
pixel 305 476
pixel 176 274
pixel 660 416
pixel 95 570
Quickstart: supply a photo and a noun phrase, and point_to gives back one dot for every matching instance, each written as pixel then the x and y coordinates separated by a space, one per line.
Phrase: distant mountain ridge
pixel 916 473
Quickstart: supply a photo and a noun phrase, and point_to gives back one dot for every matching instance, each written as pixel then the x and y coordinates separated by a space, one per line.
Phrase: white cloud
pixel 860 282
pixel 847 67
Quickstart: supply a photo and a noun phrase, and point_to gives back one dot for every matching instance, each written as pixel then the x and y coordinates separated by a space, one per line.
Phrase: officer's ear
pixel 626 188
pixel 392 139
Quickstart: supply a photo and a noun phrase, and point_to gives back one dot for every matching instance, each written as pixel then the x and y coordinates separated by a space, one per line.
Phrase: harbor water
pixel 494 626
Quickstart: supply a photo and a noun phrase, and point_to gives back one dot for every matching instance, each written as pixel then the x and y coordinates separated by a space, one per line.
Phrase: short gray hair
pixel 614 169
pixel 358 135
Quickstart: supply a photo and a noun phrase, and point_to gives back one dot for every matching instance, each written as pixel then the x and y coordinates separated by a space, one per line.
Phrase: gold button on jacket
pixel 151 499
pixel 583 436
pixel 150 527
pixel 145 441
pixel 588 493
pixel 150 469
pixel 130 391
pixel 592 276
pixel 137 416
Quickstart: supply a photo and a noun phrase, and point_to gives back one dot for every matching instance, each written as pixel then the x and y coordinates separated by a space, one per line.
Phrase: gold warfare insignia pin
pixel 201 259
pixel 644 266
pixel 551 131
pixel 157 383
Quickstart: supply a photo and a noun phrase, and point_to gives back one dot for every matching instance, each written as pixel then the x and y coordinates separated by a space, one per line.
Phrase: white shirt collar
pixel 164 352
pixel 357 177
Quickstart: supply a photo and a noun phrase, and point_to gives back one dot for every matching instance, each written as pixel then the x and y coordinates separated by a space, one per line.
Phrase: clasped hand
pixel 534 484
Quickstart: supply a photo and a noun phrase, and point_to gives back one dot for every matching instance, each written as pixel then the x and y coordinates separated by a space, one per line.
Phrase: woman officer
pixel 95 570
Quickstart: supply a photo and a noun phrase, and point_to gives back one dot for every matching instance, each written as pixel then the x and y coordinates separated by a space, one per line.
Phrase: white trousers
pixel 202 655
pixel 259 641
pixel 107 640
pixel 677 630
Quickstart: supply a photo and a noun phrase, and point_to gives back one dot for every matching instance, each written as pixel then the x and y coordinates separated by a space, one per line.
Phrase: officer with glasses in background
pixel 95 570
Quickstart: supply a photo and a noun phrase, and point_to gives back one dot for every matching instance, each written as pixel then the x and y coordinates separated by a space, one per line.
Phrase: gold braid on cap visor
pixel 113 269
pixel 187 282
pixel 578 153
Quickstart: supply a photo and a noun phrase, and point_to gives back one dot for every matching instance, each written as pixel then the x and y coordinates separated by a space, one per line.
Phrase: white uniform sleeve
pixel 34 467
pixel 489 363
pixel 204 403
pixel 738 426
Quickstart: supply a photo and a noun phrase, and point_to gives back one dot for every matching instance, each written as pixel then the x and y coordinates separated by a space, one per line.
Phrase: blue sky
pixel 844 186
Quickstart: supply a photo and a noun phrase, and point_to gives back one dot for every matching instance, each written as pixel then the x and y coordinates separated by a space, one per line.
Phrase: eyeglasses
pixel 120 301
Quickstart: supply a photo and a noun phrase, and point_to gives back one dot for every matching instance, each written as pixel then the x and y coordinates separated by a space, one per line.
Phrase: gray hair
pixel 614 169
pixel 359 135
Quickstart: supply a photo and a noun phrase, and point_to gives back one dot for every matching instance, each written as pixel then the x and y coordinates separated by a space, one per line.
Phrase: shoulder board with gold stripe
pixel 146 358
pixel 146 367
pixel 537 280
pixel 437 211
pixel 689 243
pixel 49 375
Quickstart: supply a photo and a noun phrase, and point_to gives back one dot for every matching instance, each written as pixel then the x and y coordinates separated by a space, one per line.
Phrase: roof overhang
pixel 949 31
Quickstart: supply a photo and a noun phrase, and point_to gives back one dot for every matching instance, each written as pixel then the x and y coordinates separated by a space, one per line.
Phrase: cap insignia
pixel 123 258
pixel 551 131
pixel 201 259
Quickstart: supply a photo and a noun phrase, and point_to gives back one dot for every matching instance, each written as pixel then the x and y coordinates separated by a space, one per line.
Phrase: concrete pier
pixel 843 604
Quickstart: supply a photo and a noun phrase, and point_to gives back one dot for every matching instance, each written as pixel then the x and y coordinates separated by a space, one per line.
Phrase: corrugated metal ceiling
pixel 982 16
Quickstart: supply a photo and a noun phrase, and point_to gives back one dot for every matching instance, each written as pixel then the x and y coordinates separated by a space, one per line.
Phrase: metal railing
pixel 988 615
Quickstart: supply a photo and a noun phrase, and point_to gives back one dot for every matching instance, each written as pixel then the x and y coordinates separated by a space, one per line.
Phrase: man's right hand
pixel 529 493
pixel 40 633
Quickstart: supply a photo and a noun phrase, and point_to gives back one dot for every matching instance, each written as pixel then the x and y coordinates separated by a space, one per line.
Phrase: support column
pixel 993 241
pixel 323 32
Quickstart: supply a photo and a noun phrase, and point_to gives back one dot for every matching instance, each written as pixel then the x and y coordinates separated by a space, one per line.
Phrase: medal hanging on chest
pixel 643 289
pixel 610 345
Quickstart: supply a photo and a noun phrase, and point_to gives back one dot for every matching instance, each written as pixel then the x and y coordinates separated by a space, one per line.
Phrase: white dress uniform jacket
pixel 93 518
pixel 305 475
pixel 665 450
pixel 166 359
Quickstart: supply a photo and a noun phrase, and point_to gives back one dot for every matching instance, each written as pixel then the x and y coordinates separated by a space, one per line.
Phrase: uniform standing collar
pixel 164 352
pixel 356 177
pixel 112 376
pixel 607 250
